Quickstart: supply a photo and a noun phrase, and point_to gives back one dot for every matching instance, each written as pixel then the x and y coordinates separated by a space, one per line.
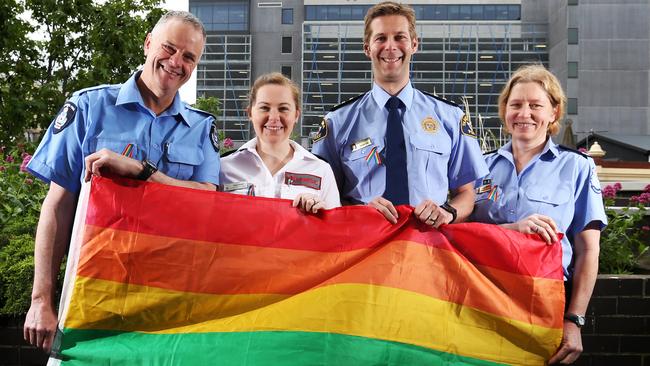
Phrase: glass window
pixel 477 12
pixel 465 12
pixel 332 12
pixel 514 12
pixel 440 12
pixel 572 70
pixel 572 2
pixel 287 16
pixel 572 106
pixel 286 44
pixel 346 13
pixel 310 11
pixel 453 12
pixel 572 36
pixel 286 71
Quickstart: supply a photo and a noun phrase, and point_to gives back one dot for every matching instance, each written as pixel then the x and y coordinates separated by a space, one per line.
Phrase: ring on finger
pixel 535 228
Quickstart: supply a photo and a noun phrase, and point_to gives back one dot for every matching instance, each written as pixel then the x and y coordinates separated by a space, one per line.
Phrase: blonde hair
pixel 274 78
pixel 388 8
pixel 536 73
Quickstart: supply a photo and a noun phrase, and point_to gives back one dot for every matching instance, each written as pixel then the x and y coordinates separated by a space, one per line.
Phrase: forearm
pixel 159 177
pixel 584 278
pixel 463 201
pixel 52 238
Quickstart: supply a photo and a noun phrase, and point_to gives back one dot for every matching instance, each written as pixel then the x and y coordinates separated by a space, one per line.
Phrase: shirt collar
pixel 381 96
pixel 299 152
pixel 129 93
pixel 550 146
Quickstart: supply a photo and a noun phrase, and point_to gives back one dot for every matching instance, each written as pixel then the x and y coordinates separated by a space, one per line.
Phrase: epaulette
pixel 320 157
pixel 574 151
pixel 440 99
pixel 91 88
pixel 490 152
pixel 351 100
pixel 200 111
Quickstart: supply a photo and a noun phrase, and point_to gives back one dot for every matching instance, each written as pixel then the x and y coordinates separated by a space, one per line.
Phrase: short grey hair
pixel 185 17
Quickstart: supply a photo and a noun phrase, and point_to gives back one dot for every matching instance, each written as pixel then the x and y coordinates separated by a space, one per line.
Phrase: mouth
pixel 392 60
pixel 274 128
pixel 169 71
pixel 524 124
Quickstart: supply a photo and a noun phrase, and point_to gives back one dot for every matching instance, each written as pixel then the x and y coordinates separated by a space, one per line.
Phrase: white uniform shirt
pixel 304 173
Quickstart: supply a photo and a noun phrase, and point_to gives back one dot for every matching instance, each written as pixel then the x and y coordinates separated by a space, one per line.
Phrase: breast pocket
pixel 181 160
pixel 429 157
pixel 117 146
pixel 362 166
pixel 549 201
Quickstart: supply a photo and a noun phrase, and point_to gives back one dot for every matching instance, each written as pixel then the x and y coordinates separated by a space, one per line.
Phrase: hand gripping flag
pixel 162 275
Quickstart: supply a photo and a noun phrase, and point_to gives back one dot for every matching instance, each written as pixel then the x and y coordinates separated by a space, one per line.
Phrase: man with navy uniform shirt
pixel 139 129
pixel 395 144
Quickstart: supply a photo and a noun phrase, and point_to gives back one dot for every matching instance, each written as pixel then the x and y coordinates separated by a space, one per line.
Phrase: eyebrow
pixel 186 53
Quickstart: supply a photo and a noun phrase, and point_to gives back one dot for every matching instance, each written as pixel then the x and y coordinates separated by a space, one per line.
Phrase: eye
pixel 263 108
pixel 514 105
pixel 188 58
pixel 169 49
pixel 380 39
pixel 284 109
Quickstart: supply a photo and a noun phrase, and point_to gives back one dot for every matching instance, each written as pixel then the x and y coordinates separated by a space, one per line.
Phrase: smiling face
pixel 529 112
pixel 173 50
pixel 390 47
pixel 273 113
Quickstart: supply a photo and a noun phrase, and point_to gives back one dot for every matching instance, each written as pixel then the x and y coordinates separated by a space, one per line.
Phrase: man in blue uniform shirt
pixel 139 129
pixel 431 148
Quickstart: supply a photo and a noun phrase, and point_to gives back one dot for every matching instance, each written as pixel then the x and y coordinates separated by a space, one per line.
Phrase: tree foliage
pixel 77 44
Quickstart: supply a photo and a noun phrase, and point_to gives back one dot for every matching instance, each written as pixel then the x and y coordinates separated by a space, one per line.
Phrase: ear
pixel 147 44
pixel 556 111
pixel 414 44
pixel 366 49
pixel 297 114
pixel 248 114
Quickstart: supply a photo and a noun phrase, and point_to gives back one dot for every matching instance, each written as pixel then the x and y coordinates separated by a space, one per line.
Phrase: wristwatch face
pixel 578 320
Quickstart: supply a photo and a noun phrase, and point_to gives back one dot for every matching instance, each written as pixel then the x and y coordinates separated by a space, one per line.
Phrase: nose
pixel 525 111
pixel 274 114
pixel 176 58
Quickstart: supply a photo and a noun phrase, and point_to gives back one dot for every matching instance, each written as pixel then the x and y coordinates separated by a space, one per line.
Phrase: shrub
pixel 624 239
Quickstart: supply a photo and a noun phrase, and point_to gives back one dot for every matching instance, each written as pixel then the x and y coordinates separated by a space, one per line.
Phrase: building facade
pixel 598 48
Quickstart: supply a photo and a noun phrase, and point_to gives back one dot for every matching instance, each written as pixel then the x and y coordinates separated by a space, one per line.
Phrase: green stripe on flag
pixel 98 347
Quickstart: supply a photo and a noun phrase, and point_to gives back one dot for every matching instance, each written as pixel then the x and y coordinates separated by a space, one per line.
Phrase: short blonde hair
pixel 274 78
pixel 388 8
pixel 536 73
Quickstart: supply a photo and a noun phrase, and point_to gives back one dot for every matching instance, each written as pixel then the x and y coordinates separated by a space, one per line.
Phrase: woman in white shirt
pixel 272 165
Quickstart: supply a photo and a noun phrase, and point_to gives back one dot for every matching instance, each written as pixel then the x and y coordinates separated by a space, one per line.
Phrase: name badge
pixel 305 180
pixel 361 144
pixel 238 187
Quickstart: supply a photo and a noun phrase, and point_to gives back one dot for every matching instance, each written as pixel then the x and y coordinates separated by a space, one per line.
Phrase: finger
pixel 296 201
pixel 549 221
pixel 384 211
pixel 47 342
pixel 559 356
pixel 40 337
pixel 319 205
pixel 310 204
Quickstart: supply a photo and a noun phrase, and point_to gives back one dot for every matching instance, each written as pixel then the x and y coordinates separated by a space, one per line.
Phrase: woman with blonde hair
pixel 271 164
pixel 538 187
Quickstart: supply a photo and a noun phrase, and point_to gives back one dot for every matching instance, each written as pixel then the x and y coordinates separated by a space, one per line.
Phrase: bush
pixel 623 241
pixel 21 196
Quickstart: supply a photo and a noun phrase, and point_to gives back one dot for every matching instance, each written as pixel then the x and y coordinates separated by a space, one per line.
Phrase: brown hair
pixel 389 8
pixel 536 73
pixel 274 78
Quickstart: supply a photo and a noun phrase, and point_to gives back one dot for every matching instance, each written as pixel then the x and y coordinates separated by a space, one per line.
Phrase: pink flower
pixel 9 159
pixel 617 186
pixel 645 228
pixel 647 188
pixel 29 181
pixel 2 148
pixel 2 168
pixel 634 199
pixel 609 192
pixel 227 143
pixel 26 159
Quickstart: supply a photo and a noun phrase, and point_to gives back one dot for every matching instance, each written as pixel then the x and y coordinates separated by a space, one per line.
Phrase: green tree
pixel 84 43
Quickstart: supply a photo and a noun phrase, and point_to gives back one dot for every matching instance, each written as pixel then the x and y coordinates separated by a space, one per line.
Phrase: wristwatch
pixel 578 320
pixel 148 168
pixel 449 208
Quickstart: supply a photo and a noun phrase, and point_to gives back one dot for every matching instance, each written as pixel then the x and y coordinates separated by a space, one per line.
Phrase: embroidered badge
pixel 65 116
pixel 128 151
pixel 595 184
pixel 306 180
pixel 361 144
pixel 430 125
pixel 322 130
pixel 484 188
pixel 374 154
pixel 466 126
pixel 214 136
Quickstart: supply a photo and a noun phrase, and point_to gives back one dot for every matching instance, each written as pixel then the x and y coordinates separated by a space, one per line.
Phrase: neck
pixel 524 151
pixel 274 156
pixel 393 88
pixel 151 100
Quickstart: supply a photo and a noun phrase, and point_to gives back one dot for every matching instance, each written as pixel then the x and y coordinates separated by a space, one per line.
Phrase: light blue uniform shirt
pixel 178 141
pixel 440 154
pixel 558 183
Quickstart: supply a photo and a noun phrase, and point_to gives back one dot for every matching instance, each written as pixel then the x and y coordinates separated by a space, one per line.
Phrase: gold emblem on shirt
pixel 430 125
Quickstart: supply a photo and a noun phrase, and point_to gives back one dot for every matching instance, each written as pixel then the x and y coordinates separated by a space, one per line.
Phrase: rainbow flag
pixel 162 275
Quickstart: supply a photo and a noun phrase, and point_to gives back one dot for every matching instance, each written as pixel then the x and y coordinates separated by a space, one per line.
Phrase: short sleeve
pixel 466 163
pixel 589 201
pixel 208 170
pixel 59 157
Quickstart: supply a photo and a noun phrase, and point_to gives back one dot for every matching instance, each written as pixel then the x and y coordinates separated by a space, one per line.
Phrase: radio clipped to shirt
pixel 245 188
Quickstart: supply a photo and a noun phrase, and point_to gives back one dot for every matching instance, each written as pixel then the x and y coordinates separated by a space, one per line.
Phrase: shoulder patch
pixel 214 136
pixel 440 99
pixel 466 126
pixel 351 100
pixel 322 130
pixel 65 116
pixel 574 151
pixel 490 152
